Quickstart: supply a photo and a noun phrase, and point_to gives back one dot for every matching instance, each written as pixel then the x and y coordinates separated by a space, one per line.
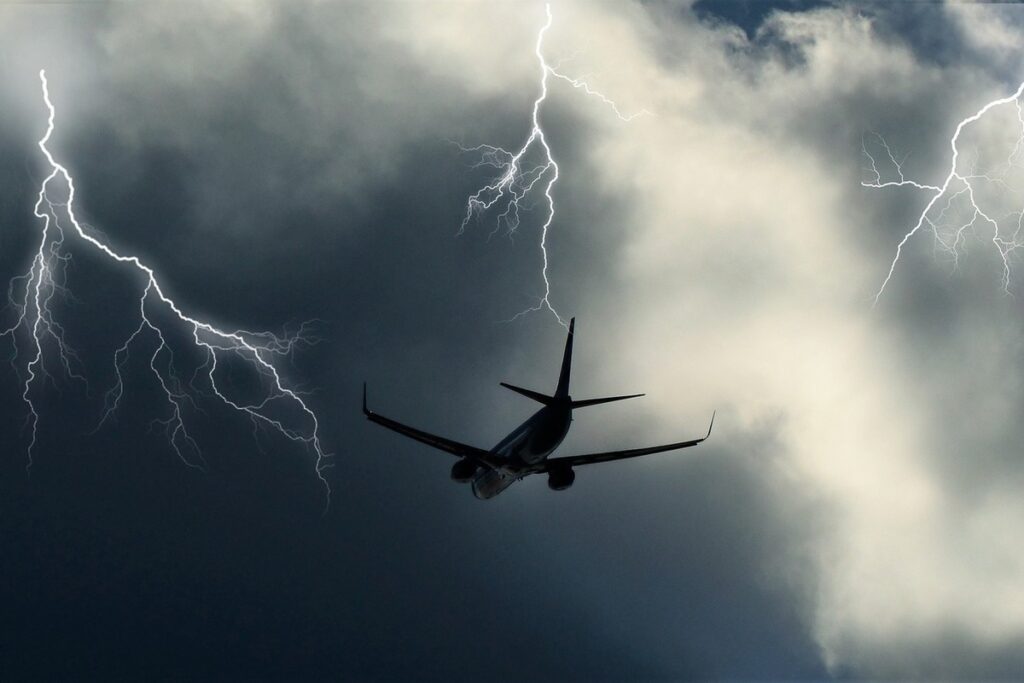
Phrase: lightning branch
pixel 37 335
pixel 956 209
pixel 528 171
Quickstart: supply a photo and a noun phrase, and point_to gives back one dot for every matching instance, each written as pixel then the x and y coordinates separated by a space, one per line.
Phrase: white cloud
pixel 750 287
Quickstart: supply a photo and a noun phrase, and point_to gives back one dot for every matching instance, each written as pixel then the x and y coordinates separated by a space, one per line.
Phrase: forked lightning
pixel 35 321
pixel 518 177
pixel 961 186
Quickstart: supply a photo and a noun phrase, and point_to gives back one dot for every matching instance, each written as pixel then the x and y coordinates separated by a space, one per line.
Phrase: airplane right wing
pixel 591 458
pixel 485 458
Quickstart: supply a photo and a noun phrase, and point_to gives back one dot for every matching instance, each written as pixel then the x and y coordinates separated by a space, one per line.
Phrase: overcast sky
pixel 855 511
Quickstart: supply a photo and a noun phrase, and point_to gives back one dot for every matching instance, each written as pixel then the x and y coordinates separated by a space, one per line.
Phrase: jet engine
pixel 561 479
pixel 463 470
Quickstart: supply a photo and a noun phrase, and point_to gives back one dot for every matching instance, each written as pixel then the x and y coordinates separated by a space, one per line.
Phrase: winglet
pixel 712 423
pixel 365 411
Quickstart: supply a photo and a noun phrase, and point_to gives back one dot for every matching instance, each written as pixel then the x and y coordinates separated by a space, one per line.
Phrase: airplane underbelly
pixel 541 443
pixel 490 483
pixel 529 449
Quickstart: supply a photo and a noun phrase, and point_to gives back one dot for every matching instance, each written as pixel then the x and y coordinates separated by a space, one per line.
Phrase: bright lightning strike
pixel 31 296
pixel 955 207
pixel 518 178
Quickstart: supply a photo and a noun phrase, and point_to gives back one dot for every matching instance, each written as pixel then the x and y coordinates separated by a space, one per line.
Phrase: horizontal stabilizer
pixel 595 401
pixel 535 395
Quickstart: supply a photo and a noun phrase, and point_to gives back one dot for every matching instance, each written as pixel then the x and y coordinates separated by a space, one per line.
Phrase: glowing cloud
pixel 963 187
pixel 518 177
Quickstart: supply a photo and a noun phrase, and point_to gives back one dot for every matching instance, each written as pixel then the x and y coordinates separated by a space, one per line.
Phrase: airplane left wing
pixel 485 458
pixel 591 458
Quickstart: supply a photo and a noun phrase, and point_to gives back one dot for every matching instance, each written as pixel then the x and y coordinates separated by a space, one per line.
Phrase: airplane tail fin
pixel 596 401
pixel 562 391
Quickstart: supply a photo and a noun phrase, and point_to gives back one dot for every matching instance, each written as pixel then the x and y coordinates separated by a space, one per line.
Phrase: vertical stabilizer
pixel 562 391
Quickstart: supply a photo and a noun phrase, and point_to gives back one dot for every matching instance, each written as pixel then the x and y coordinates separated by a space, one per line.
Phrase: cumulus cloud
pixel 750 248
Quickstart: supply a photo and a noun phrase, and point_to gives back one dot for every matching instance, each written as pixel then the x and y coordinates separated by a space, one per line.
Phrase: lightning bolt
pixel 957 195
pixel 31 295
pixel 518 178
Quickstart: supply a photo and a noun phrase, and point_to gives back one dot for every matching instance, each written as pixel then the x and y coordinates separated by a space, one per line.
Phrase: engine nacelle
pixel 561 479
pixel 463 470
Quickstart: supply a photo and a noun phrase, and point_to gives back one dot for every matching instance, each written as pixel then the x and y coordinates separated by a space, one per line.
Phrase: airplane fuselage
pixel 528 443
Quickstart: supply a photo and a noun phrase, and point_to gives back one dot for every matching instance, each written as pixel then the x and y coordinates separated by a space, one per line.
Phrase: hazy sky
pixel 855 511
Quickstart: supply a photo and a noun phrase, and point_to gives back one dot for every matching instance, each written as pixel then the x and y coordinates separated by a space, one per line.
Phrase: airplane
pixel 525 451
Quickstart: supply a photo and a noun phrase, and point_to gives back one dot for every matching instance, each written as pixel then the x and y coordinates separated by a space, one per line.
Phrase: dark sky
pixel 749 14
pixel 285 162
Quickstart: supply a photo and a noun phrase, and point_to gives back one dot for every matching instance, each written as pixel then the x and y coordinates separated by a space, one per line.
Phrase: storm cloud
pixel 853 513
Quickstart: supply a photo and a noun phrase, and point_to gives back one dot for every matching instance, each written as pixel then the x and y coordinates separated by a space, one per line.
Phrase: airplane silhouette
pixel 525 451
